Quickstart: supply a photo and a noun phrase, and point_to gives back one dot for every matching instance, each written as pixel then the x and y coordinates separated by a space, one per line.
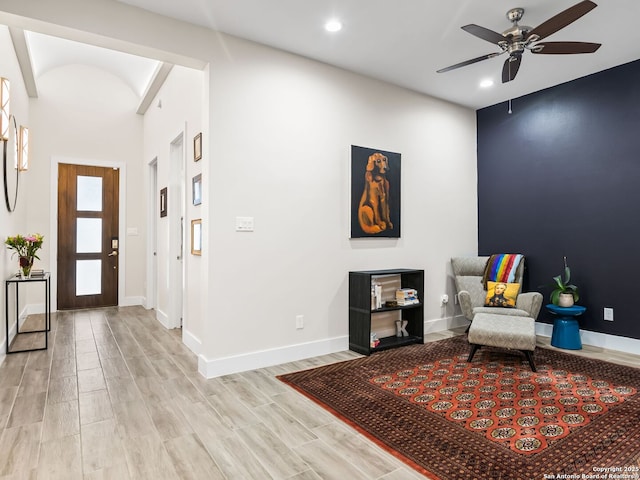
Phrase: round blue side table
pixel 566 331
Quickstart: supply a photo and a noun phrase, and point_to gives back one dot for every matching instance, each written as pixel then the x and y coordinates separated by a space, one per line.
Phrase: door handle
pixel 113 254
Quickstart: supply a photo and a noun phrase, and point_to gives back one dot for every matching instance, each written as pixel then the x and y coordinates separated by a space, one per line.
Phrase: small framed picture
pixel 196 236
pixel 196 184
pixel 197 147
pixel 163 202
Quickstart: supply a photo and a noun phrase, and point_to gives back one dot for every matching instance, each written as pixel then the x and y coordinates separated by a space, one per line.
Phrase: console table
pixel 566 331
pixel 17 281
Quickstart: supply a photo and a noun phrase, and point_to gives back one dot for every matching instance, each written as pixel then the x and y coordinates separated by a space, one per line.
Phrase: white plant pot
pixel 565 300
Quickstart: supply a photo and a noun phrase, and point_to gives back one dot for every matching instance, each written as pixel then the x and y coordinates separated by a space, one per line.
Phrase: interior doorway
pixel 88 236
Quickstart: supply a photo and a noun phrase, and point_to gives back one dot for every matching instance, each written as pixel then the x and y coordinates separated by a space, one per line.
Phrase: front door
pixel 87 236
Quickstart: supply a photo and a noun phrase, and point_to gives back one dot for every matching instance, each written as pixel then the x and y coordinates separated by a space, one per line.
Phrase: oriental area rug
pixel 490 419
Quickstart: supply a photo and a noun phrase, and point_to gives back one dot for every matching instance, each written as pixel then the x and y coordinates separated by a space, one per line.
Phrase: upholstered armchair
pixel 468 272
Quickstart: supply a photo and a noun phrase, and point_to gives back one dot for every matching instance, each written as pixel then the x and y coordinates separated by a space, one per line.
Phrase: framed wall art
pixel 375 193
pixel 196 187
pixel 196 236
pixel 163 202
pixel 197 147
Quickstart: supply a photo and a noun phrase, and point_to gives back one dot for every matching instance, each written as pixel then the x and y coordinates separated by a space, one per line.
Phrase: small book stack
pixel 407 296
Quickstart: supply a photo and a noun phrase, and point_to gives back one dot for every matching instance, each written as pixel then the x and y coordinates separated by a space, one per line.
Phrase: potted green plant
pixel 564 293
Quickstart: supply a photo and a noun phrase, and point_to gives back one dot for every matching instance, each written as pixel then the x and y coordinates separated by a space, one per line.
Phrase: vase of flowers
pixel 26 247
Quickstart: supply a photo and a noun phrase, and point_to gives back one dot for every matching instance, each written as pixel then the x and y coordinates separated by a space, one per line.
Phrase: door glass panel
pixel 88 277
pixel 89 198
pixel 89 235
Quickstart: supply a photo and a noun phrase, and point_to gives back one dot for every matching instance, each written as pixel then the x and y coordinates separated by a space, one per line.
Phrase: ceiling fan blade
pixel 484 33
pixel 562 19
pixel 562 48
pixel 468 62
pixel 510 68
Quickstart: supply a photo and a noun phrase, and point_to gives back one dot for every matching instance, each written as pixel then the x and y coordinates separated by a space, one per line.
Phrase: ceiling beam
pixel 158 79
pixel 24 60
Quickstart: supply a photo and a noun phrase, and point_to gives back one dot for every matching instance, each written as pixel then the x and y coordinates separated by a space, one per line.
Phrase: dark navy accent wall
pixel 561 176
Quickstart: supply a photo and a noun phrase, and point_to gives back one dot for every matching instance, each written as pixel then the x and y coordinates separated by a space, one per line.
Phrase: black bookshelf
pixel 360 312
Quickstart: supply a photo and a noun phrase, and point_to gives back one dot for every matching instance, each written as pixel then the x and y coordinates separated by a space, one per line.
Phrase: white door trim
pixel 177 229
pixel 152 237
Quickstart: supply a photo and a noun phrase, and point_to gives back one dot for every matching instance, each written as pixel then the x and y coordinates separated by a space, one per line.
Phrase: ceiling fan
pixel 519 38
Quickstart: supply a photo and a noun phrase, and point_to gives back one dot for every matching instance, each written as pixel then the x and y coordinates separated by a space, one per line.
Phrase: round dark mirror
pixel 10 165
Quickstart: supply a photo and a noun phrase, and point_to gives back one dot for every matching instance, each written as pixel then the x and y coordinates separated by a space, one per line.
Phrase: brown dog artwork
pixel 377 210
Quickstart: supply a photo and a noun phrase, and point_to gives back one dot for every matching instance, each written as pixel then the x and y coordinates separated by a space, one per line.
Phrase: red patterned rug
pixel 490 419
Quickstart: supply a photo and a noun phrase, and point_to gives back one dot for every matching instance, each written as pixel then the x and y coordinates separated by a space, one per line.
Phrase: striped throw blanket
pixel 501 267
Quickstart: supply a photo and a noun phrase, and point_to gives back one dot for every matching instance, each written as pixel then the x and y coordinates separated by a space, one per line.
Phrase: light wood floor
pixel 117 396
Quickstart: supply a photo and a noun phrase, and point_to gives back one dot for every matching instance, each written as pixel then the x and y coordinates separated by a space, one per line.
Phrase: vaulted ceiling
pixel 403 42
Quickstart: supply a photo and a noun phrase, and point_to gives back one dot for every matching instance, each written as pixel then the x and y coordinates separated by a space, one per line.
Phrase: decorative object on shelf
pixel 375 193
pixel 407 296
pixel 374 340
pixel 26 247
pixel 196 237
pixel 197 147
pixel 163 202
pixel 564 294
pixel 401 328
pixel 196 185
pixel 377 288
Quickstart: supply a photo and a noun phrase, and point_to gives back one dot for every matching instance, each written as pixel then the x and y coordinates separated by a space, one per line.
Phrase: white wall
pixel 15 222
pixel 85 114
pixel 181 100
pixel 281 130
pixel 277 131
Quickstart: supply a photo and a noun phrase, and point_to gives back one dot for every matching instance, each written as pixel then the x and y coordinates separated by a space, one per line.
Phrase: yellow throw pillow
pixel 501 294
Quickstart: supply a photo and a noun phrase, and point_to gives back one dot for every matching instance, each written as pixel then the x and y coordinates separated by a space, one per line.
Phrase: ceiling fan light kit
pixel 519 38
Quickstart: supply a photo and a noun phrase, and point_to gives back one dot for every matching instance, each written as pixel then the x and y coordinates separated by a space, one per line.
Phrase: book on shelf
pixel 407 296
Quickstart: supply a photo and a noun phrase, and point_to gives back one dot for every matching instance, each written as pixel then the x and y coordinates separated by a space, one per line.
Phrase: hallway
pixel 117 396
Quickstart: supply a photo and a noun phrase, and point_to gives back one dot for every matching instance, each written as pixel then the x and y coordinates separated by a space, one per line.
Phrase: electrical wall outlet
pixel 299 322
pixel 444 299
pixel 608 314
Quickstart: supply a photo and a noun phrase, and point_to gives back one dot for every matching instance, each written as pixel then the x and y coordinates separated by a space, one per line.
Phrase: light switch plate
pixel 244 224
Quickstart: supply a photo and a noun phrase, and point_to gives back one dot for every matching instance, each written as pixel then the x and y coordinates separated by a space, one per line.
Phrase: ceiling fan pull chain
pixel 509 111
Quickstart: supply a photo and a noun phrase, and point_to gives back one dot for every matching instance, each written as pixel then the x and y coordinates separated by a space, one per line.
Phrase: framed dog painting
pixel 375 193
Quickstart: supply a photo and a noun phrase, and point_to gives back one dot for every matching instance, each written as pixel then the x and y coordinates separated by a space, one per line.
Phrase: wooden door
pixel 87 236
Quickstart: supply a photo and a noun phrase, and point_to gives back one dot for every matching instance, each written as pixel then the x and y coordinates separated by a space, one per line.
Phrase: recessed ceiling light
pixel 486 83
pixel 333 26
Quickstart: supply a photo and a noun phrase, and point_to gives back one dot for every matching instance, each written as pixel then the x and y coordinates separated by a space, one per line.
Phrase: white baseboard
pixel 163 318
pixel 446 323
pixel 596 339
pixel 132 301
pixel 216 367
pixel 12 330
pixel 33 309
pixel 211 368
pixel 192 342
